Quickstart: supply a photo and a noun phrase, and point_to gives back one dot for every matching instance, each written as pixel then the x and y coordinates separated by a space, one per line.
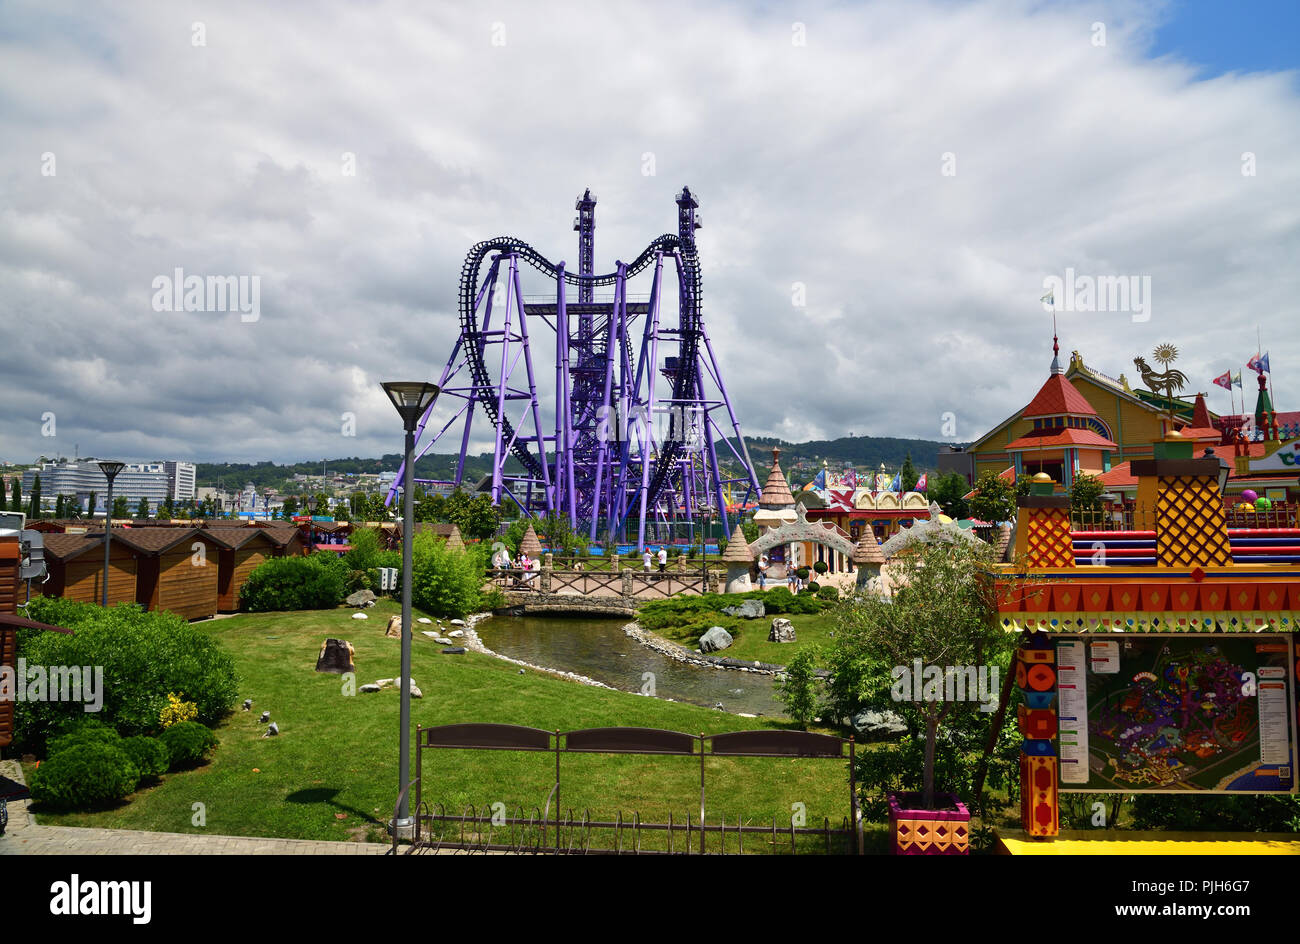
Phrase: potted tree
pixel 930 644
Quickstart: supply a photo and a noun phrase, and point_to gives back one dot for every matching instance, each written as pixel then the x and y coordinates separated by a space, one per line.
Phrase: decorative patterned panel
pixel 1191 527
pixel 1048 542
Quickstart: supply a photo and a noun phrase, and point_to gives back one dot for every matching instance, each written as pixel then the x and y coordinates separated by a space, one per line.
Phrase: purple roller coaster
pixel 631 438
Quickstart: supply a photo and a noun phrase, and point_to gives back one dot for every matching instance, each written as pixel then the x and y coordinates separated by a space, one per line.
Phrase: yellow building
pixel 1081 419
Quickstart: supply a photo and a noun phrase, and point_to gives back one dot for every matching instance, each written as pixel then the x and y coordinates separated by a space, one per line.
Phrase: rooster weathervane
pixel 1167 382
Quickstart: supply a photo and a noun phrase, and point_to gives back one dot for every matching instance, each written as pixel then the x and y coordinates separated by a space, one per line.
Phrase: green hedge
pixel 144 656
pixel 150 755
pixel 87 774
pixel 315 582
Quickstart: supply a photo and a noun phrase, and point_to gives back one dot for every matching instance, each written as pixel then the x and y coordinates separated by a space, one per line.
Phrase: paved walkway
pixel 25 837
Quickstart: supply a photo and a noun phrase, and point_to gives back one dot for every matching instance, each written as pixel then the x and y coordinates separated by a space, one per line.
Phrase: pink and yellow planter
pixel 917 831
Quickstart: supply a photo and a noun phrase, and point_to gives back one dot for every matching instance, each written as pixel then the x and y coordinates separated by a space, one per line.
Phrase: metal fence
pixel 544 829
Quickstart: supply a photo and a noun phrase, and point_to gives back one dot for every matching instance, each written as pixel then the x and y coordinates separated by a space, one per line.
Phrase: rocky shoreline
pixel 680 653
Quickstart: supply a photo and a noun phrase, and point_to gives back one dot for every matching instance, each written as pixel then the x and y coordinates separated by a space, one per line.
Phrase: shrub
pixel 315 582
pixel 802 573
pixel 85 774
pixel 445 581
pixel 150 755
pixel 797 687
pixel 187 744
pixel 829 594
pixel 176 711
pixel 83 731
pixel 144 656
pixel 821 567
pixel 813 586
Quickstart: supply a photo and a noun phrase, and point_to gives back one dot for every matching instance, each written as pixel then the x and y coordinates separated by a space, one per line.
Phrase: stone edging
pixel 681 654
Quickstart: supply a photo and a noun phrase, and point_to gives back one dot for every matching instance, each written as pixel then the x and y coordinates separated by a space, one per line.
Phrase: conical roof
pixel 868 549
pixel 737 551
pixel 530 545
pixel 454 539
pixel 776 491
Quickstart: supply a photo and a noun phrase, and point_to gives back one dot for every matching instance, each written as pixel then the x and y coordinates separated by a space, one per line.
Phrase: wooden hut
pixel 242 549
pixel 171 573
pixel 75 563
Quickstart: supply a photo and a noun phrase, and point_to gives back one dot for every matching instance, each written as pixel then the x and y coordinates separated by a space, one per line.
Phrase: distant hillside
pixel 864 452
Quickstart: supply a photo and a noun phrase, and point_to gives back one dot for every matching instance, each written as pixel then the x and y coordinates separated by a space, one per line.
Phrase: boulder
pixel 415 691
pixel 336 656
pixel 879 724
pixel 369 687
pixel 360 616
pixel 443 641
pixel 394 629
pixel 715 639
pixel 746 609
pixel 458 622
pixel 782 630
pixel 454 651
pixel 360 598
pixel 424 619
pixel 456 633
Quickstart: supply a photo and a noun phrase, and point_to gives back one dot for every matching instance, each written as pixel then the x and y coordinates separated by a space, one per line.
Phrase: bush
pixel 829 594
pixel 802 573
pixel 144 656
pixel 150 755
pixel 797 687
pixel 84 731
pixel 176 711
pixel 445 581
pixel 813 586
pixel 187 744
pixel 85 774
pixel 821 567
pixel 315 582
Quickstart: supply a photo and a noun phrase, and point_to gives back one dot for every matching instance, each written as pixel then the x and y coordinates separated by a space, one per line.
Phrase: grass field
pixel 750 636
pixel 332 771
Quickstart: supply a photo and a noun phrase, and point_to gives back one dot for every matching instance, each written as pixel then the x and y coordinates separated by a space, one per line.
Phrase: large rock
pixel 879 724
pixel 394 629
pixel 369 687
pixel 782 630
pixel 716 638
pixel 335 656
pixel 746 609
pixel 360 598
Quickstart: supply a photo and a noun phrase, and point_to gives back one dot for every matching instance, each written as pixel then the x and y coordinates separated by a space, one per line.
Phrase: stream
pixel 599 649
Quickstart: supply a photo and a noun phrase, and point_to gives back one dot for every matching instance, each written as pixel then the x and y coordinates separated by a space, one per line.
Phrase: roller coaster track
pixel 684 380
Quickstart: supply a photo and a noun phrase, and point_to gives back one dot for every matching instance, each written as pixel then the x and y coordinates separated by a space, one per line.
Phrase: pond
pixel 598 649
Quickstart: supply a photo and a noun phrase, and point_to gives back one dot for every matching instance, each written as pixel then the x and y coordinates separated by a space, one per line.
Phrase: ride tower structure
pixel 636 429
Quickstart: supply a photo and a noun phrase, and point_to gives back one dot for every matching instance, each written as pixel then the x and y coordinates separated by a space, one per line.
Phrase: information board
pixel 1160 713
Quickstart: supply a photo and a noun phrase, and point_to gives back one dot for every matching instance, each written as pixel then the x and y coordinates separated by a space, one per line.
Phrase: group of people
pixel 650 556
pixel 530 566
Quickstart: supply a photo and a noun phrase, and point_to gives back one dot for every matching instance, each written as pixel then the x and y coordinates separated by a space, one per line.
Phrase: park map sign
pixel 1158 713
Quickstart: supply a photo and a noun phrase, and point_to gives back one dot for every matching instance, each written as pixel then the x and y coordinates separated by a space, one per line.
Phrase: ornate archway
pixel 801 530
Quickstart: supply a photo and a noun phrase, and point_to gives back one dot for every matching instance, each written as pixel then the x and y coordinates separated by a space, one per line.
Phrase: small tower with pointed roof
pixel 738 559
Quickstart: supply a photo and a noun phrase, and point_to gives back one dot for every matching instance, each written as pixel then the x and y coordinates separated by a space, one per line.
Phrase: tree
pixel 168 509
pixel 142 509
pixel 1085 492
pixel 944 615
pixel 16 495
pixel 290 507
pixel 994 500
pixel 91 504
pixel 34 507
pixel 58 506
pixel 430 507
pixel 907 474
pixel 476 517
pixel 797 686
pixel 947 490
pixel 121 507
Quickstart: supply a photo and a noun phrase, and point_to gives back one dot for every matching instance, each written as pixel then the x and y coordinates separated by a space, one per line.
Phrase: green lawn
pixel 332 772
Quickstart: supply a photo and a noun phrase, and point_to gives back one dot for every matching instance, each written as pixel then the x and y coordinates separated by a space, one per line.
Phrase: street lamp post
pixel 412 400
pixel 110 470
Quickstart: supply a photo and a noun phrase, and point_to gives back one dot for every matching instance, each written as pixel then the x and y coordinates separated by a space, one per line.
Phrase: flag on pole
pixel 897 484
pixel 920 483
pixel 1258 364
pixel 820 480
pixel 1236 379
pixel 1224 380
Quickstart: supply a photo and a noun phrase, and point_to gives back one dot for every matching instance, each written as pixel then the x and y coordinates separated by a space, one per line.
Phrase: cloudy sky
pixel 920 168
